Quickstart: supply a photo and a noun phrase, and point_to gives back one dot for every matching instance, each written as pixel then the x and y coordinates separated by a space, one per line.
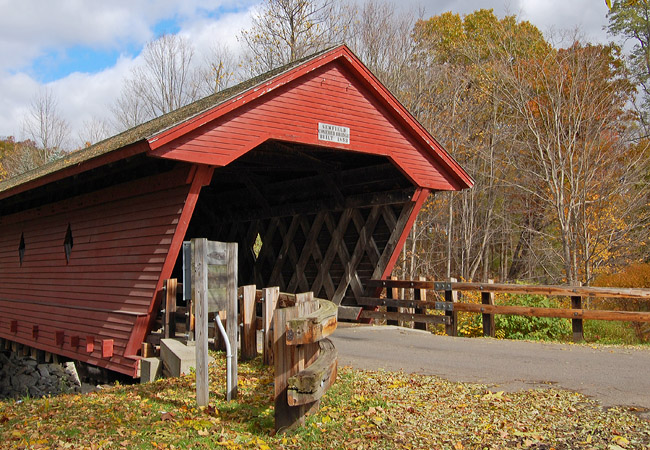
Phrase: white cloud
pixel 588 16
pixel 32 28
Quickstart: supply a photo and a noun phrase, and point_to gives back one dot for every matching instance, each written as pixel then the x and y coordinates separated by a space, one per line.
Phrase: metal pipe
pixel 229 356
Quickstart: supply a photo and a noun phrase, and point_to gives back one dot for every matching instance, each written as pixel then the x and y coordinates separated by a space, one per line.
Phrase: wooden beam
pixel 548 290
pixel 487 298
pixel 310 384
pixel 249 330
pixel 271 295
pixel 395 197
pixel 396 316
pixel 311 328
pixel 627 316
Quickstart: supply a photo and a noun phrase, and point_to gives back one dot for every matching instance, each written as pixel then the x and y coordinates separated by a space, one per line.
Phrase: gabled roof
pixel 161 130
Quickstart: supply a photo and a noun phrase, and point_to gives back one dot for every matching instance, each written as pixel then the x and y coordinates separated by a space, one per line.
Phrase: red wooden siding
pixel 104 294
pixel 292 113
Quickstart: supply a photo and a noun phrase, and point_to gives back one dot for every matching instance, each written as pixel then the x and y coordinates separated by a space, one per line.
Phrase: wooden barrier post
pixel 286 362
pixel 232 326
pixel 270 298
pixel 452 296
pixel 305 361
pixel 392 293
pixel 249 329
pixel 487 298
pixel 420 294
pixel 169 321
pixel 576 324
pixel 200 297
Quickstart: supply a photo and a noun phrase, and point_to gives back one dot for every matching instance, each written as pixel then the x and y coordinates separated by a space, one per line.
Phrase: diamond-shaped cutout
pixel 257 246
pixel 21 248
pixel 68 243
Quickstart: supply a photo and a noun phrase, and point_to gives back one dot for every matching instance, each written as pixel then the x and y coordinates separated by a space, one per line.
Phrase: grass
pixel 363 410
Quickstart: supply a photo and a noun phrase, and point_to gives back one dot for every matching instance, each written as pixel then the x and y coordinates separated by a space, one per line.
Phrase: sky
pixel 82 50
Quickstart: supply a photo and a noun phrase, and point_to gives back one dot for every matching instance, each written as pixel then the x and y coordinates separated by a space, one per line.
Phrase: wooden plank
pixel 395 316
pixel 576 323
pixel 107 348
pixel 311 328
pixel 271 295
pixel 169 320
pixel 348 313
pixel 310 384
pixel 420 295
pixel 398 302
pixel 451 329
pixel 285 365
pixel 232 325
pixel 549 290
pixel 627 316
pixel 392 310
pixel 200 300
pixel 487 298
pixel 249 331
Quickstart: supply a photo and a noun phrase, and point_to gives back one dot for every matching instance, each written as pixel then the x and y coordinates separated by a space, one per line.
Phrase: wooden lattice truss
pixel 308 219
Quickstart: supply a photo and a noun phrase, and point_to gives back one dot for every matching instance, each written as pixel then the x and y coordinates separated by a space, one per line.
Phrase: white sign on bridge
pixel 333 133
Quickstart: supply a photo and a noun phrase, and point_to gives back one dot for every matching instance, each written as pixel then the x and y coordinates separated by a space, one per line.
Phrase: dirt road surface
pixel 614 376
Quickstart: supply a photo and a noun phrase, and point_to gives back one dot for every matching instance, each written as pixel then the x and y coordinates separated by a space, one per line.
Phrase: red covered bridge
pixel 316 159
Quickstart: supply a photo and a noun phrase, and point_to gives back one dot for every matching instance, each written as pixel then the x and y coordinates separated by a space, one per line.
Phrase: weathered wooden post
pixel 420 294
pixel 392 293
pixel 576 324
pixel 200 297
pixel 305 362
pixel 451 296
pixel 169 321
pixel 270 298
pixel 249 329
pixel 214 282
pixel 487 298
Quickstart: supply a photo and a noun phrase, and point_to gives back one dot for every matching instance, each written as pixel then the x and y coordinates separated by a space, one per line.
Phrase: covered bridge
pixel 315 161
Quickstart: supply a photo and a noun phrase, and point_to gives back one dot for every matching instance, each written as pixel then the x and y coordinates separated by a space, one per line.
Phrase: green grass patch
pixel 363 410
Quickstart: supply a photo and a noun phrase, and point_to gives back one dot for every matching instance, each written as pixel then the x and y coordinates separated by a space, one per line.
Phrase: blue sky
pixel 83 49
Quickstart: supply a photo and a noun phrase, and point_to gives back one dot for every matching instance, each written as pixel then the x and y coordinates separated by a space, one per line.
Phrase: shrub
pixel 537 328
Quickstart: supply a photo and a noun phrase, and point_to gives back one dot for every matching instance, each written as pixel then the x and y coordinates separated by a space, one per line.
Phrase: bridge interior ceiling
pixel 307 218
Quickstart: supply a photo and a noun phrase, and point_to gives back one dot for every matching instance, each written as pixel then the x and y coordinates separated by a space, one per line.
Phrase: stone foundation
pixel 22 376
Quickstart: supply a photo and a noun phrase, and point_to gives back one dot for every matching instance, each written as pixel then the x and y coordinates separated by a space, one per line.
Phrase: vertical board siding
pixel 328 95
pixel 121 238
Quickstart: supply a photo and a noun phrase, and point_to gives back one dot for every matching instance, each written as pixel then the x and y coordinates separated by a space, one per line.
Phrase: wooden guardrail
pixel 305 361
pixel 451 306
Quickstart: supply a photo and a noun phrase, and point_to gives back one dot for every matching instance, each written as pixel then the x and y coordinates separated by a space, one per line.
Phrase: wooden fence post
pixel 270 295
pixel 249 330
pixel 487 298
pixel 576 324
pixel 288 361
pixel 200 297
pixel 452 296
pixel 392 293
pixel 420 294
pixel 169 322
pixel 232 327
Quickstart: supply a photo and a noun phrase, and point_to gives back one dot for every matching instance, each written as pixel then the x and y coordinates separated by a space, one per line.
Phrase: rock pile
pixel 22 376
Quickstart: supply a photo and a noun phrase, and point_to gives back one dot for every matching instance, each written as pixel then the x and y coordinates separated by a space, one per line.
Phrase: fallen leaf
pixel 167 416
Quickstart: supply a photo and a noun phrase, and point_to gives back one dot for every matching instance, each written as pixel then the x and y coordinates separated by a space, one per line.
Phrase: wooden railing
pixel 450 306
pixel 295 328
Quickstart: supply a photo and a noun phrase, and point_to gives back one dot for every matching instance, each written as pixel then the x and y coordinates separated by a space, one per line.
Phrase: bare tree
pixel 164 81
pixel 45 127
pixel 219 70
pixel 382 38
pixel 286 30
pixel 93 130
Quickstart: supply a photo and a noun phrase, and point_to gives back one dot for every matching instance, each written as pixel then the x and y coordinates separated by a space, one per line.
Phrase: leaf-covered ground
pixel 363 410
